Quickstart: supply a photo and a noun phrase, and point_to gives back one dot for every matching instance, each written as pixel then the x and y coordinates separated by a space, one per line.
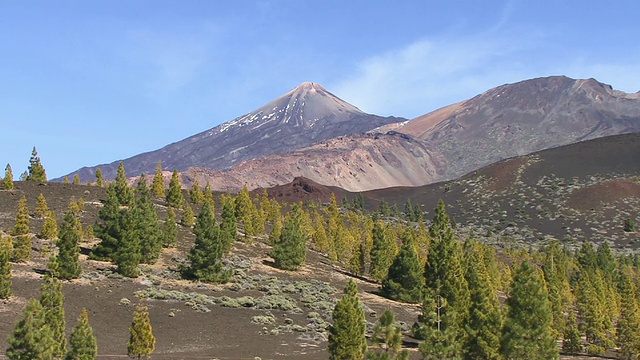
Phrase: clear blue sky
pixel 91 82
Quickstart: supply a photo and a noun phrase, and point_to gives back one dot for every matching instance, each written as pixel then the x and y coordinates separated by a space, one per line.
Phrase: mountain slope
pixel 521 118
pixel 574 192
pixel 301 117
pixel 356 162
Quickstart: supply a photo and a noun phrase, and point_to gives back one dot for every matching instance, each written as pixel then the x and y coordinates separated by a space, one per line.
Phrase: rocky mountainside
pixel 301 117
pixel 521 118
pixel 356 162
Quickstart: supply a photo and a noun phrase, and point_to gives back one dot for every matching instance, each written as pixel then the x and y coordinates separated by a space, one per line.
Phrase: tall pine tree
pixel 229 225
pixel 628 329
pixel 123 192
pixel 99 178
pixel 83 344
pixel 206 255
pixel 347 339
pixel 32 337
pixel 382 252
pixel 174 196
pixel 23 242
pixel 141 339
pixel 7 180
pixel 36 171
pixel 404 281
pixel 68 266
pixel 170 228
pixel 146 226
pixel 5 267
pixel 52 301
pixel 527 332
pixel 290 250
pixel 109 227
pixel 157 186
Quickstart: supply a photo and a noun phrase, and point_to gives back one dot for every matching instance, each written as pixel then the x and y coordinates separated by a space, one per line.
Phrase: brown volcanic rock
pixel 355 163
pixel 303 189
pixel 301 117
pixel 521 118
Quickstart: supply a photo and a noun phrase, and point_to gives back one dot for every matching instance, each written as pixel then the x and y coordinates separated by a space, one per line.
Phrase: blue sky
pixel 90 82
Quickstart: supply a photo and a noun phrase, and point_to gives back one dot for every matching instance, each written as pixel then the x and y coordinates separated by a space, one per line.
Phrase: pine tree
pixel 572 338
pixel 36 171
pixel 206 255
pixel 141 339
pixel 146 227
pixel 5 267
pixel 23 243
pixel 555 265
pixel 170 228
pixel 41 206
pixel 50 228
pixel 527 332
pixel 83 343
pixel 382 253
pixel 65 180
pixel 387 335
pixel 52 301
pixel 188 217
pixel 7 180
pixel 68 265
pixel 229 225
pixel 208 193
pixel 99 178
pixel 157 186
pixel 196 194
pixel 276 231
pixel 76 179
pixel 174 197
pixel 484 324
pixel 290 250
pixel 123 192
pixel 32 337
pixel 628 330
pixel 128 254
pixel 109 227
pixel 447 300
pixel 404 281
pixel 347 339
pixel 245 210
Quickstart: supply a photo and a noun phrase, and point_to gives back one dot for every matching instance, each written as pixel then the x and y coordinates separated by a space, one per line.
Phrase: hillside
pixel 521 118
pixel 574 192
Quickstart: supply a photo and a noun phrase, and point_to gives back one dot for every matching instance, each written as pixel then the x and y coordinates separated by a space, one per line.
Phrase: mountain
pixel 580 191
pixel 301 117
pixel 355 162
pixel 521 118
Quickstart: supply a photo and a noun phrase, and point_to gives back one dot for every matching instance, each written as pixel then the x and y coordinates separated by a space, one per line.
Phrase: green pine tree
pixel 170 228
pixel 52 301
pixel 382 252
pixel 109 227
pixel 68 265
pixel 99 178
pixel 628 329
pixel 22 244
pixel 245 210
pixel 290 250
pixel 32 337
pixel 387 336
pixel 141 339
pixel 36 171
pixel 123 192
pixel 128 254
pixel 65 180
pixel 572 338
pixel 7 180
pixel 404 281
pixel 157 186
pixel 83 344
pixel 196 194
pixel 5 267
pixel 347 339
pixel 484 324
pixel 50 228
pixel 206 255
pixel 41 206
pixel 174 197
pixel 76 180
pixel 229 225
pixel 527 332
pixel 145 224
pixel 188 217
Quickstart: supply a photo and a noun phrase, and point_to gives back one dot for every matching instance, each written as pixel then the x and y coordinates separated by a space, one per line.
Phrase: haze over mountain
pixel 301 117
pixel 521 118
